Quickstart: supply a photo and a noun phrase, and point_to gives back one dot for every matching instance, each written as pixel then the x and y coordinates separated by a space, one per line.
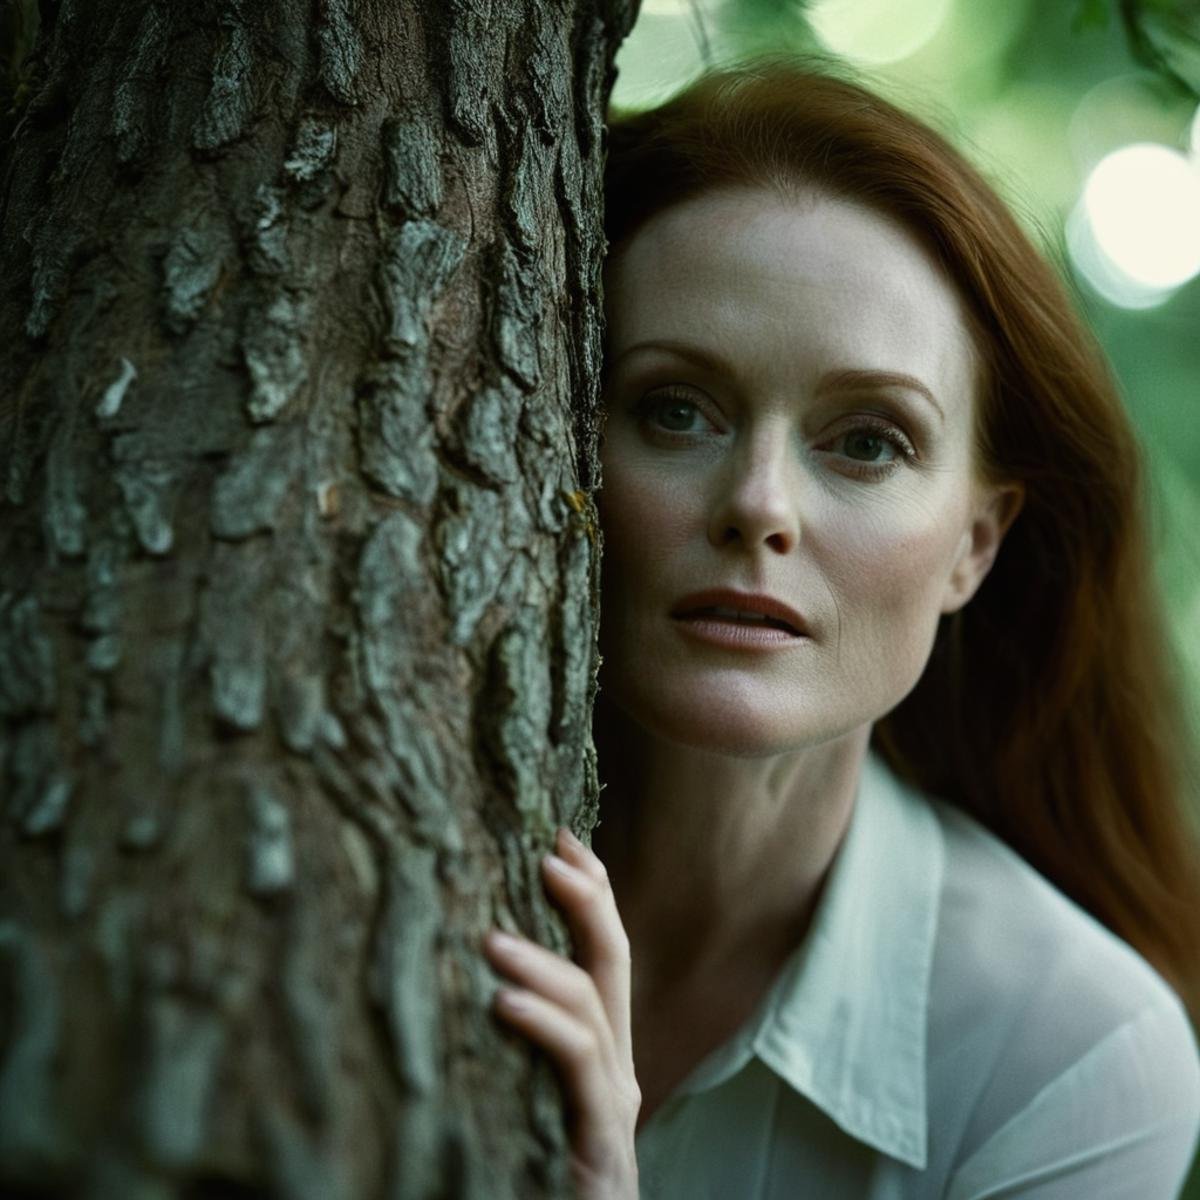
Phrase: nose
pixel 757 499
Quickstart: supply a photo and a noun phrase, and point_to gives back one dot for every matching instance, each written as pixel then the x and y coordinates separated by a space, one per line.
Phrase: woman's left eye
pixel 872 447
pixel 867 446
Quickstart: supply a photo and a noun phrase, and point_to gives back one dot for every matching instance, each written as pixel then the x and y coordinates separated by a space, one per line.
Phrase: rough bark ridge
pixel 298 379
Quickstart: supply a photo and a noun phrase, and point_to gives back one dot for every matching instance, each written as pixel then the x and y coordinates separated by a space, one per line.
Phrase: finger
pixel 568 846
pixel 602 945
pixel 556 979
pixel 572 1046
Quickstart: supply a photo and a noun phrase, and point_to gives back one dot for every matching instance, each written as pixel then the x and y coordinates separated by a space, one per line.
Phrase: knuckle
pixel 593 893
pixel 585 1045
pixel 581 988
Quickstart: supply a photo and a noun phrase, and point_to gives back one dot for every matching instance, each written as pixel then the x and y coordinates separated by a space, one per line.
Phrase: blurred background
pixel 1084 115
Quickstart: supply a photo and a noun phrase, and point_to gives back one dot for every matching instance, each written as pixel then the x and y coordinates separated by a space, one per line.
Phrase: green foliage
pixel 1090 14
pixel 1164 36
pixel 747 27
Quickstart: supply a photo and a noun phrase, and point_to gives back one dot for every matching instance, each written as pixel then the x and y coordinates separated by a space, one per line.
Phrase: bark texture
pixel 299 357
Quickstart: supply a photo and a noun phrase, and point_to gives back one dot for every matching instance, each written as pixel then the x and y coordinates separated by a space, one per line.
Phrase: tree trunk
pixel 299 354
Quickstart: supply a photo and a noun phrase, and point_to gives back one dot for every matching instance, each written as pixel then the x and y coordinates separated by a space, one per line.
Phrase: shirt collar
pixel 845 1022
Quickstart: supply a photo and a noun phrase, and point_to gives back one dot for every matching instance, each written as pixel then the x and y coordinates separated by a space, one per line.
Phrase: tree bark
pixel 298 585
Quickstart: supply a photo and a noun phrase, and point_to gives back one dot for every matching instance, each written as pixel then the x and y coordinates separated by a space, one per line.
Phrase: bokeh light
pixel 1135 234
pixel 1020 138
pixel 877 31
pixel 1119 111
pixel 665 54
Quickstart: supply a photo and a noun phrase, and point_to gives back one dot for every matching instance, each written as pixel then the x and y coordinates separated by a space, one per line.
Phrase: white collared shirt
pixel 952 1026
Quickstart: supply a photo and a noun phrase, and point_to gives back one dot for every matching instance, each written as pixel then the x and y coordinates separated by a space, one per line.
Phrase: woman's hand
pixel 578 1013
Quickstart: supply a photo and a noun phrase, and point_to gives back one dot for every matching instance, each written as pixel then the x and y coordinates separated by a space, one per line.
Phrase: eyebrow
pixel 860 378
pixel 843 380
pixel 713 362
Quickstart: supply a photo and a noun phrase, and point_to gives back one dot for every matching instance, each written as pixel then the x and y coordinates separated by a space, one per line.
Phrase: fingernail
pixel 571 839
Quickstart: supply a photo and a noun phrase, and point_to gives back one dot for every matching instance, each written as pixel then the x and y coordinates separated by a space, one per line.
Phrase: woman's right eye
pixel 667 412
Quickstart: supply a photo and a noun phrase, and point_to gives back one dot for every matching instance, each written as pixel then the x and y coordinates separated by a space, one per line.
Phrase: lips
pixel 724 604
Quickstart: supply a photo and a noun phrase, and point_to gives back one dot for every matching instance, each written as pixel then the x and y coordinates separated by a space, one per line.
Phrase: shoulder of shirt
pixel 1034 935
pixel 1058 988
pixel 1075 1043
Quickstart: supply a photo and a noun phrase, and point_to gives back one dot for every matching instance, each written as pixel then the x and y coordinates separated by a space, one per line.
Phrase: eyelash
pixel 905 452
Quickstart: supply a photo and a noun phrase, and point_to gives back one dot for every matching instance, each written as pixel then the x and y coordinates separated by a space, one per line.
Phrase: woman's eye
pixel 671 414
pixel 872 448
pixel 867 446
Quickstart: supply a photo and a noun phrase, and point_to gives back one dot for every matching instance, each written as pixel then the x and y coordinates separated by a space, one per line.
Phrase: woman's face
pixel 789 412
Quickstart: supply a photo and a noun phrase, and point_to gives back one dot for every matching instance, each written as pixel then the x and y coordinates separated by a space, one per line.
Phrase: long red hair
pixel 1048 708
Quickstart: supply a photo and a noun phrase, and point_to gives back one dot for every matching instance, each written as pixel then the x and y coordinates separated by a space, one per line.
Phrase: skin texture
pixel 756 439
pixel 763 472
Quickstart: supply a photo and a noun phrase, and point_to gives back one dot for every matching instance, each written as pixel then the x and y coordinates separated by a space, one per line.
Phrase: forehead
pixel 794 281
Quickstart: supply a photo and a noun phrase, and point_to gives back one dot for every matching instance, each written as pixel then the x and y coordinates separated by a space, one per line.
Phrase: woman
pixel 876 603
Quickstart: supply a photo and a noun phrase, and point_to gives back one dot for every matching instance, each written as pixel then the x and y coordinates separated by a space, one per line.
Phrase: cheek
pixel 891 570
pixel 642 517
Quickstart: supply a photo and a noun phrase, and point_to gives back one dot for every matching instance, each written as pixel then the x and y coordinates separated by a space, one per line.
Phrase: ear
pixel 996 507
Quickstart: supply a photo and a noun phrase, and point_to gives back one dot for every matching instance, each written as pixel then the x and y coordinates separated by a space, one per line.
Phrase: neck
pixel 717 861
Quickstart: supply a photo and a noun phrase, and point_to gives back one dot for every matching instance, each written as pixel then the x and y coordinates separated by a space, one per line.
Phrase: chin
pixel 724 725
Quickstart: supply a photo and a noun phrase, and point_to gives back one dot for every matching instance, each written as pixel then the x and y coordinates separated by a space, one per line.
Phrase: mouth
pixel 715 612
pixel 731 607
